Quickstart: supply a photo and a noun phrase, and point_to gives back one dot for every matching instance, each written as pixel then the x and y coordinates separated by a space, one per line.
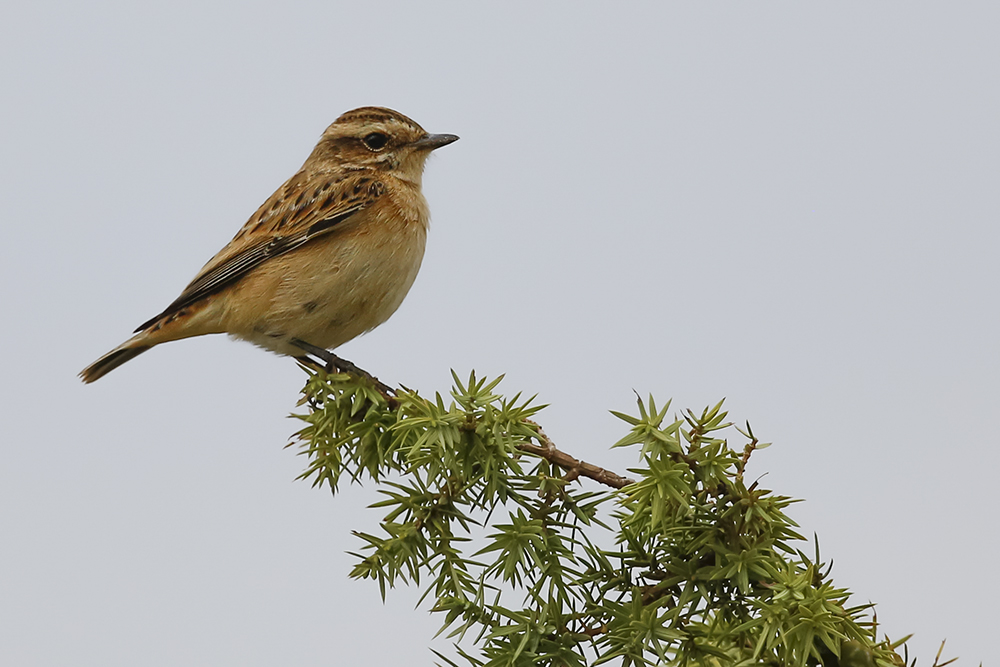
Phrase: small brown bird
pixel 328 257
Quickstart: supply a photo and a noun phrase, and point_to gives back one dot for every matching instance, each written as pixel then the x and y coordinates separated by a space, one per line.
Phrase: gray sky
pixel 790 205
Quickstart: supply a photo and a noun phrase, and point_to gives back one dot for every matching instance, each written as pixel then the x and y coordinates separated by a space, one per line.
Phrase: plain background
pixel 790 205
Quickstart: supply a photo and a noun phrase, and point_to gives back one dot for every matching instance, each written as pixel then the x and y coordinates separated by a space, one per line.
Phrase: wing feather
pixel 301 210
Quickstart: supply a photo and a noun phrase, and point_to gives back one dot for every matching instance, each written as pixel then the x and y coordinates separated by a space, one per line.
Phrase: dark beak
pixel 429 142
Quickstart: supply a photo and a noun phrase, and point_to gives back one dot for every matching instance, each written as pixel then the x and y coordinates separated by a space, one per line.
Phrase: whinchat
pixel 328 257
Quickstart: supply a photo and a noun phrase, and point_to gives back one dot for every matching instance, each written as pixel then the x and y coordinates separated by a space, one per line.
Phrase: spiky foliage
pixel 686 565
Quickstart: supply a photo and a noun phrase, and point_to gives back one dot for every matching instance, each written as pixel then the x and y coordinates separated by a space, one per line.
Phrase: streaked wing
pixel 302 209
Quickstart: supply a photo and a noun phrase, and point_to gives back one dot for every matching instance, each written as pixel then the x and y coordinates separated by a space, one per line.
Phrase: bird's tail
pixel 113 359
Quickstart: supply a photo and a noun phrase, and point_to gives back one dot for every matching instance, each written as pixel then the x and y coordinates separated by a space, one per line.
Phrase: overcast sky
pixel 790 205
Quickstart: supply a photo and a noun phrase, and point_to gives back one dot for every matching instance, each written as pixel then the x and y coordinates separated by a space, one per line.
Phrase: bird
pixel 328 257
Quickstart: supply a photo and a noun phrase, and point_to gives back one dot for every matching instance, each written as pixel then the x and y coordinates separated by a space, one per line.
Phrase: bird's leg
pixel 335 363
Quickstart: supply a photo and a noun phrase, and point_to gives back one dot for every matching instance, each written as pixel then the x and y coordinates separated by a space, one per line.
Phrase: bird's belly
pixel 330 291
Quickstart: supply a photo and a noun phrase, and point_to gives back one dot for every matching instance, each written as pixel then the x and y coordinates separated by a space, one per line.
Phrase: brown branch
pixel 575 467
pixel 595 631
pixel 653 593
pixel 748 450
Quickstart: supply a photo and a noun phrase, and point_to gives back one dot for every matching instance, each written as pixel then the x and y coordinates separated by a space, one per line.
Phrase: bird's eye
pixel 375 141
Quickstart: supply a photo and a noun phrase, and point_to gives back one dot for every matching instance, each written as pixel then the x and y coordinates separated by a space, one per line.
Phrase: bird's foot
pixel 332 363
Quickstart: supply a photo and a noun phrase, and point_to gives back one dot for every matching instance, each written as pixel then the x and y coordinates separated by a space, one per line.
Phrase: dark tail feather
pixel 111 361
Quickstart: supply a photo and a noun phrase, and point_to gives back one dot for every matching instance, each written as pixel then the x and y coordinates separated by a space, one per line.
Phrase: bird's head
pixel 377 138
